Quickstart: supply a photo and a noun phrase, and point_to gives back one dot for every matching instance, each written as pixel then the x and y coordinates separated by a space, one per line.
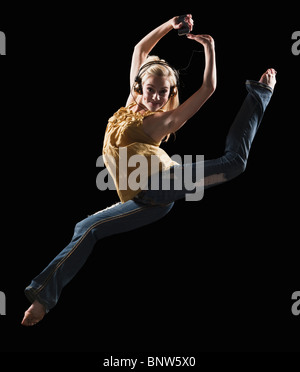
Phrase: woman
pixel 151 114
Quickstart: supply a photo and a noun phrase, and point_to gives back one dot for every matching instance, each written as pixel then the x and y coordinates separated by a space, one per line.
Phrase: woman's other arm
pixel 164 123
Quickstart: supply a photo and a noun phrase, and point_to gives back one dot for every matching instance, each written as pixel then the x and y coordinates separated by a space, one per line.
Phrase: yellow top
pixel 130 155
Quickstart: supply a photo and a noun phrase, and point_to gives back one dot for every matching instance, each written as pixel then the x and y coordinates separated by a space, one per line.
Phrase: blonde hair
pixel 166 71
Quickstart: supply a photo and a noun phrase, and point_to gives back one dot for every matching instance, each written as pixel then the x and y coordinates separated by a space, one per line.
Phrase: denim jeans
pixel 151 205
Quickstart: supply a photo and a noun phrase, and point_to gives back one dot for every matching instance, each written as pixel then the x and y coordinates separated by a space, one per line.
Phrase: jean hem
pixel 258 83
pixel 32 296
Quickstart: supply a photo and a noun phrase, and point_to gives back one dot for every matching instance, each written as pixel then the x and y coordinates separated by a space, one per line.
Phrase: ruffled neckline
pixel 140 115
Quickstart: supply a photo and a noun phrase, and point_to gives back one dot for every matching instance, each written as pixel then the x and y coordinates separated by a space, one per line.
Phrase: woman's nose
pixel 156 97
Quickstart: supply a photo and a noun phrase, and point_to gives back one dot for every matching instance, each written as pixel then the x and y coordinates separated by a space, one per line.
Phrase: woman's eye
pixel 163 92
pixel 149 89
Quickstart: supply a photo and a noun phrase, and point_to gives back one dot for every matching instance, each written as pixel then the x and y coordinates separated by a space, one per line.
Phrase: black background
pixel 214 275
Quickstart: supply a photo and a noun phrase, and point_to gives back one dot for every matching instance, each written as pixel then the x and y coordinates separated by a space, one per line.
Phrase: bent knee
pixel 241 166
pixel 82 227
pixel 237 167
pixel 166 208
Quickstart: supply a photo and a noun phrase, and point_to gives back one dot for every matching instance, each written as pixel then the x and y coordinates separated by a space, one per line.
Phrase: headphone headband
pixel 162 63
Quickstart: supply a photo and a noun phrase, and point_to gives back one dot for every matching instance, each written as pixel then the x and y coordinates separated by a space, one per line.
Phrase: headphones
pixel 138 80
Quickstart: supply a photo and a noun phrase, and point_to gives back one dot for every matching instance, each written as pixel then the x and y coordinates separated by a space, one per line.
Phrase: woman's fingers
pixel 190 36
pixel 189 20
pixel 179 25
pixel 202 39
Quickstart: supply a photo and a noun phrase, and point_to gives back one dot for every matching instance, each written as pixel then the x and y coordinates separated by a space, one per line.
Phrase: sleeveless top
pixel 130 155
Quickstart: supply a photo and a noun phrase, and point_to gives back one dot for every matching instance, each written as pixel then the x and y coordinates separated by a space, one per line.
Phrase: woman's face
pixel 156 91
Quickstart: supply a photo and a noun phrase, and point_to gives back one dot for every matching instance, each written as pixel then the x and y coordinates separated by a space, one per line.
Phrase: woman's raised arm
pixel 144 47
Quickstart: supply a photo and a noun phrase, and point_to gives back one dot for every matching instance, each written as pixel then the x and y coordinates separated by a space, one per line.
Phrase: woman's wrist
pixel 174 22
pixel 171 23
pixel 210 47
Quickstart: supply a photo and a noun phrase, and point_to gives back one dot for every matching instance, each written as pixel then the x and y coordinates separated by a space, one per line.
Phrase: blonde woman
pixel 151 114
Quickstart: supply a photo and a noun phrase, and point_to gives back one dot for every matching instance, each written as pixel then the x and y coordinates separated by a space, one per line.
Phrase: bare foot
pixel 269 77
pixel 34 314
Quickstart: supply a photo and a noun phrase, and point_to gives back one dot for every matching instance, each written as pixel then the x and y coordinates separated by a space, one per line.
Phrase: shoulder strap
pixel 131 105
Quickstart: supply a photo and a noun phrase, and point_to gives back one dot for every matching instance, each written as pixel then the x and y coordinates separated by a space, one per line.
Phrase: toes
pixel 34 314
pixel 271 71
pixel 26 322
pixel 29 320
pixel 269 77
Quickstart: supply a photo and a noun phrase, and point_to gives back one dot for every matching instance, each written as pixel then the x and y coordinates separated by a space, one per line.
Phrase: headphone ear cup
pixel 173 91
pixel 137 88
pixel 138 85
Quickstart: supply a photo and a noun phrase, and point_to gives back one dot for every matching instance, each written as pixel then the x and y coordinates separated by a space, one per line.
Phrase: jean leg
pixel 247 122
pixel 47 286
pixel 234 160
pixel 240 136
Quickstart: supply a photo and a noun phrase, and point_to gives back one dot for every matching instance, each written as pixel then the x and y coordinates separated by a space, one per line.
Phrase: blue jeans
pixel 151 205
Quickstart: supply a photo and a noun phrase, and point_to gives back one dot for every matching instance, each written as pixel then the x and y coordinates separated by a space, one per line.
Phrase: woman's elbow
pixel 210 87
pixel 140 50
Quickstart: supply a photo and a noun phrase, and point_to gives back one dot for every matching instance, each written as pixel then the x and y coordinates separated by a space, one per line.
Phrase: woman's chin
pixel 153 106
